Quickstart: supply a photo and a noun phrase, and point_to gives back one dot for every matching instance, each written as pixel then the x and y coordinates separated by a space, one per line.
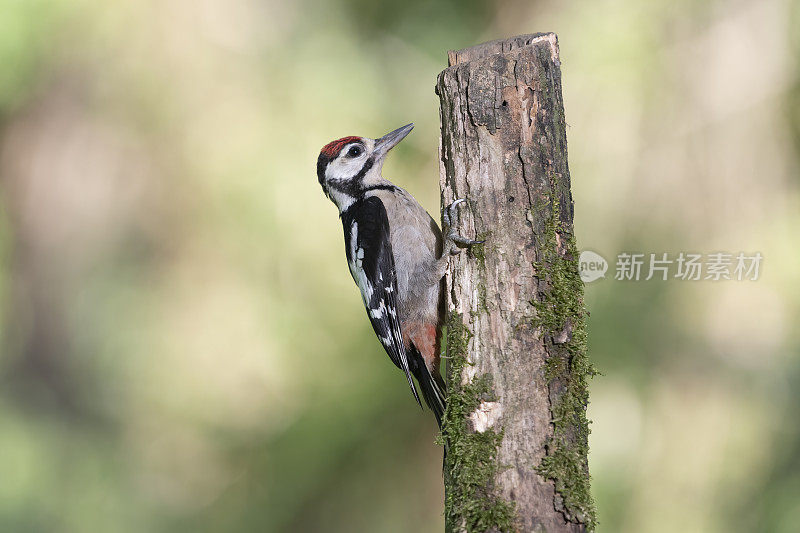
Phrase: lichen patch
pixel 486 416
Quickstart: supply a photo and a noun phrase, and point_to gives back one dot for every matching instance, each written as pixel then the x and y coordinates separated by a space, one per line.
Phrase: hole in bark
pixel 505 104
pixel 510 199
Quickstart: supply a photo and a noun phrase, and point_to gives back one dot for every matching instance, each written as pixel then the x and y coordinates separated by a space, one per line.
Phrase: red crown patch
pixel 332 149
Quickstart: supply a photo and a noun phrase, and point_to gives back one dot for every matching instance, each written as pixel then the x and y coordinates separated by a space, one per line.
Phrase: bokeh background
pixel 182 347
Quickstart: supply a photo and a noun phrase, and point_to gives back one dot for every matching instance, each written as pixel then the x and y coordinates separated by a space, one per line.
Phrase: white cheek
pixel 344 169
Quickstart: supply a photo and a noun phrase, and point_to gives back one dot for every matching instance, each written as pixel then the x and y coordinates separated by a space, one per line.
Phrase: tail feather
pixel 434 391
pixel 432 387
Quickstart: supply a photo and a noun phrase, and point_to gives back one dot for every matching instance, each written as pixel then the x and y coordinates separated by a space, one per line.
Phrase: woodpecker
pixel 396 255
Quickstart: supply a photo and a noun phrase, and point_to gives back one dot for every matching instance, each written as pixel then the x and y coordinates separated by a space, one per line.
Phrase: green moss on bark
pixel 478 252
pixel 471 460
pixel 561 315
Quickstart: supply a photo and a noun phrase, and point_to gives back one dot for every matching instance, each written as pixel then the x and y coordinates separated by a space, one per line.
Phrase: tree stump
pixel 516 425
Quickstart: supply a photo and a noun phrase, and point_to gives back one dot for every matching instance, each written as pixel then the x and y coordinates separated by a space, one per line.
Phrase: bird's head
pixel 347 166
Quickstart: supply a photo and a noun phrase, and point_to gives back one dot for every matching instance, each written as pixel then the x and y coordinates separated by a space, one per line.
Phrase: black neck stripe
pixel 363 172
pixel 383 187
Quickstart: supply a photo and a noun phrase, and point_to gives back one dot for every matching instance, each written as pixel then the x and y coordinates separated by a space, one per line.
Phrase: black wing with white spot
pixel 369 255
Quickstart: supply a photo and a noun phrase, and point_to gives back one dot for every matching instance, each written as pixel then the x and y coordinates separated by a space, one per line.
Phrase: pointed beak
pixel 391 139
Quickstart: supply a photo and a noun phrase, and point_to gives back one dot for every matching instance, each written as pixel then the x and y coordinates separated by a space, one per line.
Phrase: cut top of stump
pixel 501 46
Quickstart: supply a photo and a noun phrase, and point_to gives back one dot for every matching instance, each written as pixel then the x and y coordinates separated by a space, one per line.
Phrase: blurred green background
pixel 182 347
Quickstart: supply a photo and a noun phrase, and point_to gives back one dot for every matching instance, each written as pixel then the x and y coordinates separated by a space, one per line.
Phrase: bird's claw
pixel 448 215
pixel 463 240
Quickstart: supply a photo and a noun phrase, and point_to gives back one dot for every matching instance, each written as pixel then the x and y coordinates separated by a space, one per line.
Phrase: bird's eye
pixel 354 151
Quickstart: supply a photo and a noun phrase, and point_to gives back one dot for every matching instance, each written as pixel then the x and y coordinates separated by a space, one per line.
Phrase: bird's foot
pixel 450 233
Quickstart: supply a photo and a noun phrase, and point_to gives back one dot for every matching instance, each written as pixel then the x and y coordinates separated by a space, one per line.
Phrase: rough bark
pixel 516 424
